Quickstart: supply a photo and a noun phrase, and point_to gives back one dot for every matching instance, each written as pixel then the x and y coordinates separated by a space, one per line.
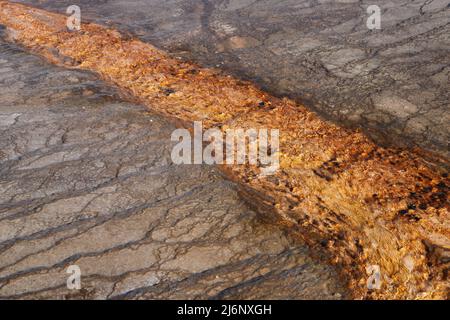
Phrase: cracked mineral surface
pixel 393 83
pixel 86 179
pixel 363 204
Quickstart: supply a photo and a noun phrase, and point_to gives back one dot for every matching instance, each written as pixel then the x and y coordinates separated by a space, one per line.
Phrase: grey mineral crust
pixel 86 179
pixel 393 82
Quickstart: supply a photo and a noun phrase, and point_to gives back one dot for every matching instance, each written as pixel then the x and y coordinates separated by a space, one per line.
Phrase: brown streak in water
pixel 366 205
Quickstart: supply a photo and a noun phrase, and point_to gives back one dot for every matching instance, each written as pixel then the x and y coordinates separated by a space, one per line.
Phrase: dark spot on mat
pixel 423 206
pixel 167 91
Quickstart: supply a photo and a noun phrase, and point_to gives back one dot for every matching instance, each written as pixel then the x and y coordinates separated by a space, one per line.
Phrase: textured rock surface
pixel 86 179
pixel 393 82
pixel 368 206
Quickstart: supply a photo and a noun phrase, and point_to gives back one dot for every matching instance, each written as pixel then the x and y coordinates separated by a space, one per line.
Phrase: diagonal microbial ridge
pixel 365 205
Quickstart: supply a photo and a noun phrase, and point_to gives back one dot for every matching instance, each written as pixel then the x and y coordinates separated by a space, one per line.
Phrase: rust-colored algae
pixel 364 204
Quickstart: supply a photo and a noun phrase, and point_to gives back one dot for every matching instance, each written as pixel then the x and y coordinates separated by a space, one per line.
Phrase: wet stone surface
pixel 86 179
pixel 393 83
